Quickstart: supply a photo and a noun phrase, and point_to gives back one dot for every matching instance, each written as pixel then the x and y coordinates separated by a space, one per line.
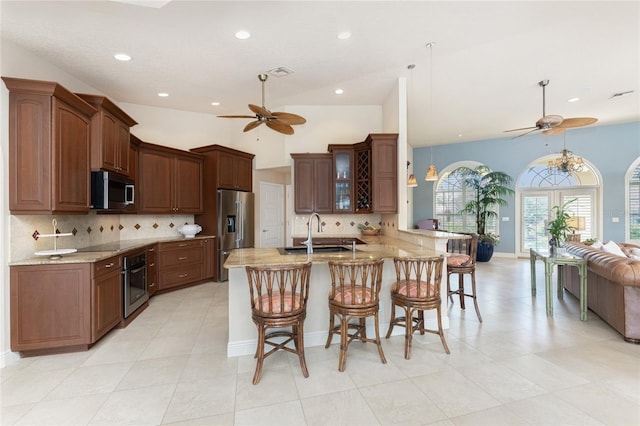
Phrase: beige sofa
pixel 613 287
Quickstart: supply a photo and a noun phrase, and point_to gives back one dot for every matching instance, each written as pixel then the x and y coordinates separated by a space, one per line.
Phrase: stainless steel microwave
pixel 110 191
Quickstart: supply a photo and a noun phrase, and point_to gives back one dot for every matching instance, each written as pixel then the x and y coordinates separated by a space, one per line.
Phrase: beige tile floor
pixel 170 367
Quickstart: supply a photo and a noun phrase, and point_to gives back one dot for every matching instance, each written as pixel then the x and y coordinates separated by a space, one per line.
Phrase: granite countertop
pixel 376 247
pixel 100 252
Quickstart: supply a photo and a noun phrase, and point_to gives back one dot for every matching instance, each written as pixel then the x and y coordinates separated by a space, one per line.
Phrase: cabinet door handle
pixel 152 285
pixel 183 258
pixel 110 265
pixel 182 245
pixel 152 249
pixel 151 265
pixel 183 275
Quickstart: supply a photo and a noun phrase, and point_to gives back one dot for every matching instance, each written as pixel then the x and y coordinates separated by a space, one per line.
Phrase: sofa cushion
pixel 597 245
pixel 613 248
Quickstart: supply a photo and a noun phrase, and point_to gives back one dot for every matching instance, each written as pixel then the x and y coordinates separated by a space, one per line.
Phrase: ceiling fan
pixel 278 121
pixel 553 124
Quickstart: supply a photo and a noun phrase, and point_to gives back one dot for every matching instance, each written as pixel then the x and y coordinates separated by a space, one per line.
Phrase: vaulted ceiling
pixel 479 79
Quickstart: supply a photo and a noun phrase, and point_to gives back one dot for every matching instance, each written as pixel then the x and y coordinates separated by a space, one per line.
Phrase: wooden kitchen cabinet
pixel 376 174
pixel 209 258
pixel 227 168
pixel 313 182
pixel 106 296
pixel 224 168
pixel 49 148
pixel 180 263
pixel 64 307
pixel 343 178
pixel 110 136
pixel 169 180
pixel 152 269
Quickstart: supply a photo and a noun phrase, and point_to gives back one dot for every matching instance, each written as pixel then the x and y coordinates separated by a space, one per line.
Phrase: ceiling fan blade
pixel 522 128
pixel 554 131
pixel 261 111
pixel 577 122
pixel 252 125
pixel 236 116
pixel 280 126
pixel 289 118
pixel 526 133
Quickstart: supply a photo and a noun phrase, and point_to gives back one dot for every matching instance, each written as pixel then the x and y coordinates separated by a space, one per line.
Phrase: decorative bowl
pixel 370 231
pixel 189 230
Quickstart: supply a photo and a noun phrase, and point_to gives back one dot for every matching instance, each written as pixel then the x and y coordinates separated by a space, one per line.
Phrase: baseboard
pixel 8 358
pixel 319 338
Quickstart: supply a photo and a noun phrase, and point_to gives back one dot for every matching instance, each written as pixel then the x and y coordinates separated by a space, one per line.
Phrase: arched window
pixel 633 200
pixel 450 196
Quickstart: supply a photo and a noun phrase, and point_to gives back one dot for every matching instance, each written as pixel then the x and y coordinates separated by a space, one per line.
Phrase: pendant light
pixel 411 182
pixel 432 173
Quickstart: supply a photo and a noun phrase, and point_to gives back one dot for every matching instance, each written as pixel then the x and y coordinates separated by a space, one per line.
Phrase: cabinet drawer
pixel 107 265
pixel 179 275
pixel 179 245
pixel 181 257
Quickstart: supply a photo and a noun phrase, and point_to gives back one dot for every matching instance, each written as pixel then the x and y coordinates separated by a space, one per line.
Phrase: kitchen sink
pixel 316 249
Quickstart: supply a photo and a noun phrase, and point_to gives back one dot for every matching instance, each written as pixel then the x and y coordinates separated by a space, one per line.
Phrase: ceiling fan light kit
pixel 552 124
pixel 279 121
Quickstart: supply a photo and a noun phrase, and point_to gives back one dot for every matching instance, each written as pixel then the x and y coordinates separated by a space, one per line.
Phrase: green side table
pixel 564 259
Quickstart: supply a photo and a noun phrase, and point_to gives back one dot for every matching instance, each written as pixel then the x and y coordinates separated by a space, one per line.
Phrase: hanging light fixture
pixel 411 182
pixel 566 163
pixel 432 173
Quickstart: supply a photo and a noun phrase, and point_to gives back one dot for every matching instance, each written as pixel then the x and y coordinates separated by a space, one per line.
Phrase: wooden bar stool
pixel 461 261
pixel 417 289
pixel 279 299
pixel 355 291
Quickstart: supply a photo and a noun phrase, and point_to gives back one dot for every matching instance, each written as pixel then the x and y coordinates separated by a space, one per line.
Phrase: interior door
pixel 271 215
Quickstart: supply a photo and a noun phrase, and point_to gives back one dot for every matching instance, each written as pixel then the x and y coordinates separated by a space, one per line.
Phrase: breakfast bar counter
pixel 242 331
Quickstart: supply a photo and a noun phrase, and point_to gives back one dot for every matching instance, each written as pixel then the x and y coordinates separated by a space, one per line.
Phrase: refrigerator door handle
pixel 239 213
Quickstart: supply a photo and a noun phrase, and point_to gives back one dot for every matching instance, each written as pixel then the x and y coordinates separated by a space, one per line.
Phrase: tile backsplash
pixel 335 223
pixel 87 230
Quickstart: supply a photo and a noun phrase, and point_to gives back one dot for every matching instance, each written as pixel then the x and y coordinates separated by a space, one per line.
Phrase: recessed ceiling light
pixel 215 103
pixel 573 100
pixel 344 35
pixel 163 95
pixel 243 35
pixel 338 91
pixel 122 57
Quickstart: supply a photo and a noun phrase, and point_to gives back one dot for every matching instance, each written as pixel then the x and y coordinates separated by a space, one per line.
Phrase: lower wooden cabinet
pixel 106 296
pixel 64 306
pixel 184 262
pixel 152 269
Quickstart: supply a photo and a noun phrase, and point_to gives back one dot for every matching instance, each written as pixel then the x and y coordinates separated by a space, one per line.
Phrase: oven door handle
pixel 135 271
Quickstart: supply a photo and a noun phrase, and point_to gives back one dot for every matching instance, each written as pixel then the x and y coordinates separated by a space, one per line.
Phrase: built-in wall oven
pixel 134 281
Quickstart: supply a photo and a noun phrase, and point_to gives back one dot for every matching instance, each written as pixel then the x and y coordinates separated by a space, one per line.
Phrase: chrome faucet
pixel 309 242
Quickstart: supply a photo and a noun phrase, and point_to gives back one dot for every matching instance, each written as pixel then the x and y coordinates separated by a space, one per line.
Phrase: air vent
pixel 280 71
pixel 619 94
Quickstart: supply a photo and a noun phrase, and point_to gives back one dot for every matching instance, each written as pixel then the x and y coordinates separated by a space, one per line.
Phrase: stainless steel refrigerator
pixel 235 225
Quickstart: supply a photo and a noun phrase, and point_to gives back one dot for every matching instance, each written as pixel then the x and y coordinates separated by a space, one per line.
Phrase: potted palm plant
pixel 489 188
pixel 559 226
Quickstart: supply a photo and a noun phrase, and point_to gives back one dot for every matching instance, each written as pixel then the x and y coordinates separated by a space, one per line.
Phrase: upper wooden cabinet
pixel 343 178
pixel 227 168
pixel 313 183
pixel 49 148
pixel 169 180
pixel 224 168
pixel 376 164
pixel 110 133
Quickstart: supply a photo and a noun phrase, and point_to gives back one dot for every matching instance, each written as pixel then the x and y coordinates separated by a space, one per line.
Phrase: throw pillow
pixel 635 251
pixel 613 248
pixel 597 245
pixel 634 257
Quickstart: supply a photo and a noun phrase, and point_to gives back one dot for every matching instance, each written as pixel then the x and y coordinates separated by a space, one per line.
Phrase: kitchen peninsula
pixel 242 331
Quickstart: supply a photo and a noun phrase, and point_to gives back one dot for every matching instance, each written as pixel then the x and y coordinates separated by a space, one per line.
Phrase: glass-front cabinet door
pixel 343 178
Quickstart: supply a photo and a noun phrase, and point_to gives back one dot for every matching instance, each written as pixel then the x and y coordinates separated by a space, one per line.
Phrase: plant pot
pixel 485 252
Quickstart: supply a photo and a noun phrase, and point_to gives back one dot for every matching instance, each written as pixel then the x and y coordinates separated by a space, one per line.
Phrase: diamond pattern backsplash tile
pixel 24 230
pixel 334 223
